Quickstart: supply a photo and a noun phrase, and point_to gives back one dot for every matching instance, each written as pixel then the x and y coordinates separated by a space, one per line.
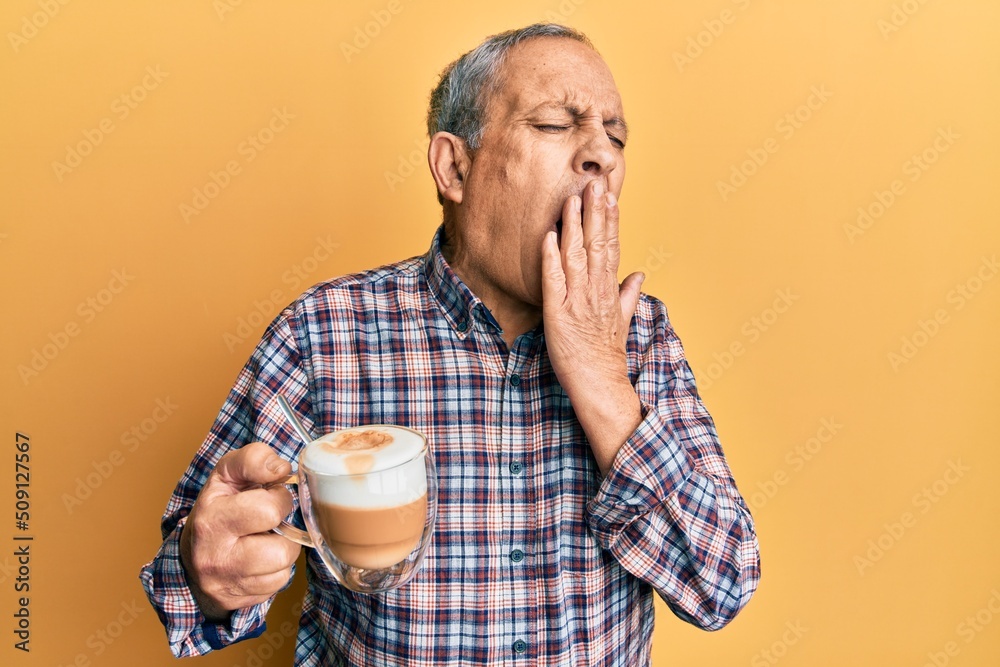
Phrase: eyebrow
pixel 615 121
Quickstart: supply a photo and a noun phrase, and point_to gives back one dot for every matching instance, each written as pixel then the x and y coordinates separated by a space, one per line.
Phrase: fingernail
pixel 273 464
pixel 598 188
pixel 577 203
pixel 612 200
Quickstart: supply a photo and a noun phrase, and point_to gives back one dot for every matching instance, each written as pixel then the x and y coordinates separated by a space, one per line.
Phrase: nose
pixel 597 155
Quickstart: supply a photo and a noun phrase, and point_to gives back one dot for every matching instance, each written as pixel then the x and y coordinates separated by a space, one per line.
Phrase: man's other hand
pixel 587 314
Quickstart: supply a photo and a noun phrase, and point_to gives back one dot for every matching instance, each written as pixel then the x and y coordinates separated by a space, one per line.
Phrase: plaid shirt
pixel 536 558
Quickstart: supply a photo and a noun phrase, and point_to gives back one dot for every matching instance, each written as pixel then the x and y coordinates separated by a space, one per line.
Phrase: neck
pixel 513 315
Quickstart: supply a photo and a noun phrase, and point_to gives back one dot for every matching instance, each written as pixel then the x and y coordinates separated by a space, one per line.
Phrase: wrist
pixel 212 612
pixel 609 418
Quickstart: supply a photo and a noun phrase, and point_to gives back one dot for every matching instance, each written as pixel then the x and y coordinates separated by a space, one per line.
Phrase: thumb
pixel 628 294
pixel 553 276
pixel 251 466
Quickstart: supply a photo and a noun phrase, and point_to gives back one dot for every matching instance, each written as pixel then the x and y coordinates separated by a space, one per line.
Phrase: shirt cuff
pixel 648 468
pixel 188 633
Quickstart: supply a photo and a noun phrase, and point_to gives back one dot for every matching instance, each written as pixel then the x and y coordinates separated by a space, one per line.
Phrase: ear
pixel 449 160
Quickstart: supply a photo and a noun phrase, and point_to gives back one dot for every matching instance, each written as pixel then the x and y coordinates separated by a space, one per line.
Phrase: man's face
pixel 554 125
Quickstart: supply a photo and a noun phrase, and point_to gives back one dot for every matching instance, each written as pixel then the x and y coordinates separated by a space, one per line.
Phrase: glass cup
pixel 370 527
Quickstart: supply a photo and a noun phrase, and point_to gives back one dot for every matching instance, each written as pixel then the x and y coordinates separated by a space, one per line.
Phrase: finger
pixel 628 294
pixel 251 466
pixel 264 554
pixel 243 592
pixel 595 231
pixel 574 256
pixel 614 247
pixel 264 586
pixel 252 511
pixel 553 277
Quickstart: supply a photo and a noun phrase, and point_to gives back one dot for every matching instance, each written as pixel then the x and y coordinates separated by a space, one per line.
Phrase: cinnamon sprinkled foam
pixel 370 455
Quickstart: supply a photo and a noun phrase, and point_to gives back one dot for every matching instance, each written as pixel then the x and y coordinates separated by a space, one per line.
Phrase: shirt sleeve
pixel 248 415
pixel 669 510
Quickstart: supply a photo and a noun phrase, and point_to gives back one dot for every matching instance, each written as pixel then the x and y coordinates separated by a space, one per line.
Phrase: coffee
pixel 372 538
pixel 368 490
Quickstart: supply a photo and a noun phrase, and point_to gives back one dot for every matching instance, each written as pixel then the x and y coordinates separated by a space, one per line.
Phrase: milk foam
pixel 370 456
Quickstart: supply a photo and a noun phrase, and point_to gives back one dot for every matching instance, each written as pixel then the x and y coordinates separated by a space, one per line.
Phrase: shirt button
pixel 515 380
pixel 517 555
pixel 516 467
pixel 520 646
pixel 463 326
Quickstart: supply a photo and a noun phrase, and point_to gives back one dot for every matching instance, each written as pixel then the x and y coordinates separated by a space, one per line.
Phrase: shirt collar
pixel 457 302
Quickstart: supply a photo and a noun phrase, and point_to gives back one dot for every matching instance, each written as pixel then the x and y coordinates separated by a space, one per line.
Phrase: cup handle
pixel 285 529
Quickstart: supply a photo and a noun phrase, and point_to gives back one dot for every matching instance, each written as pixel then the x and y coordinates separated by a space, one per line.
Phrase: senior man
pixel 578 469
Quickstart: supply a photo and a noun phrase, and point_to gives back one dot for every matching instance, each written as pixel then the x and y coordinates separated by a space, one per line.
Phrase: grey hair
pixel 459 100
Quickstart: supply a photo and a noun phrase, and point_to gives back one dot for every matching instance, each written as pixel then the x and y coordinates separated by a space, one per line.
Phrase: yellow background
pixel 894 77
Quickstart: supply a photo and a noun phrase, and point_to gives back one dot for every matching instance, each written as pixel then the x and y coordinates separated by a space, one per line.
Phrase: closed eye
pixel 553 129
